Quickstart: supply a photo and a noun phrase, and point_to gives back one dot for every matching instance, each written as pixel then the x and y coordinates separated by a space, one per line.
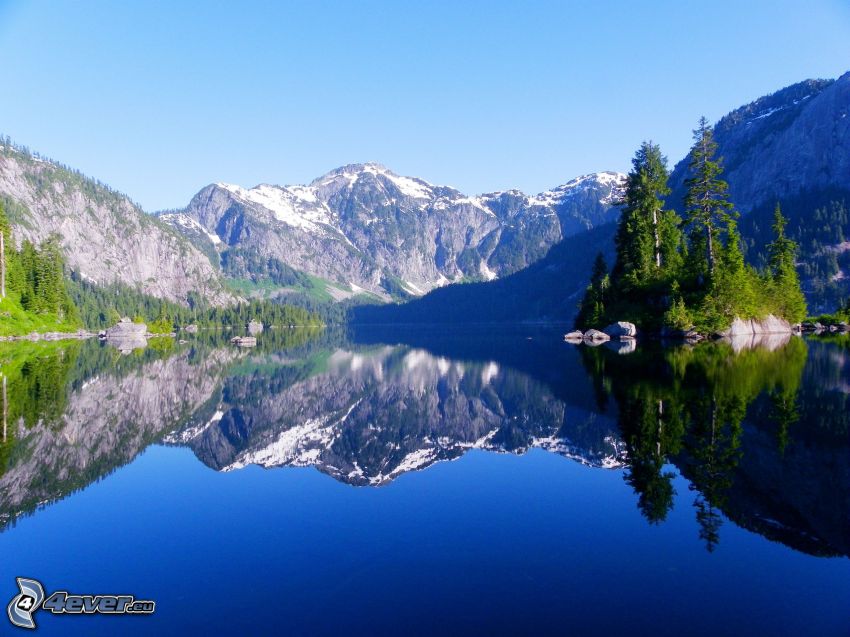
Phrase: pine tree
pixel 647 235
pixel 707 208
pixel 782 253
pixel 592 308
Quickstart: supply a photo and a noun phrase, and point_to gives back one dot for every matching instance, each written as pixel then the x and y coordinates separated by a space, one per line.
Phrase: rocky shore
pixel 51 336
pixel 770 329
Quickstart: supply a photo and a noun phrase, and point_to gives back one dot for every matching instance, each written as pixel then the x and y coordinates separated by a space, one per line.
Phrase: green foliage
pixel 783 283
pixel 687 405
pixel 647 236
pixel 702 282
pixel 707 208
pixel 37 299
pixel 678 316
pixel 592 308
pixel 819 223
pixel 102 306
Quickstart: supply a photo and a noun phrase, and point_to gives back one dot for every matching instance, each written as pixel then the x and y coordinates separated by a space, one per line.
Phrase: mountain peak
pixel 766 106
pixel 347 176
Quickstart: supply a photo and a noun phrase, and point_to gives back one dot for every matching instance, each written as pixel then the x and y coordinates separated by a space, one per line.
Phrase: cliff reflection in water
pixel 761 434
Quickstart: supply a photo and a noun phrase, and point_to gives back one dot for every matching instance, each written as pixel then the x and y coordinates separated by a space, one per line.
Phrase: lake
pixel 485 482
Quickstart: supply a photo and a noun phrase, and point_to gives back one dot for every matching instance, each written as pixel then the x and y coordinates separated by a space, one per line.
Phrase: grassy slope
pixel 15 321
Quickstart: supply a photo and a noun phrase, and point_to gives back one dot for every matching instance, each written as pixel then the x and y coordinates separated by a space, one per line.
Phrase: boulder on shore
pixel 748 327
pixel 126 329
pixel 621 330
pixel 573 337
pixel 595 336
pixel 191 329
pixel 254 327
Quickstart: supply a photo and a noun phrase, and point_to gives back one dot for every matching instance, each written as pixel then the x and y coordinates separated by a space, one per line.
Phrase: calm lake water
pixel 485 483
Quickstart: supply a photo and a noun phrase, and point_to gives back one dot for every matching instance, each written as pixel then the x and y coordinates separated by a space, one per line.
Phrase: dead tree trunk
pixel 2 266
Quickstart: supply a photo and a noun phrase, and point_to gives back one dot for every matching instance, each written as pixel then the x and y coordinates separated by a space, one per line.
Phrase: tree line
pixel 34 276
pixel 688 272
pixel 35 279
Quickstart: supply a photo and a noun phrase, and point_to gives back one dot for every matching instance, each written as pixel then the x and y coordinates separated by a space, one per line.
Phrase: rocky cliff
pixel 373 416
pixel 366 228
pixel 105 237
pixel 107 420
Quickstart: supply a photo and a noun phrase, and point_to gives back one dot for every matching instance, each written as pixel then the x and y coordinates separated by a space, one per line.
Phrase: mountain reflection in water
pixel 760 430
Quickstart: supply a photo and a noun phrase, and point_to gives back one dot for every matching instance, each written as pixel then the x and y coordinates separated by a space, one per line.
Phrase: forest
pixel 688 272
pixel 39 294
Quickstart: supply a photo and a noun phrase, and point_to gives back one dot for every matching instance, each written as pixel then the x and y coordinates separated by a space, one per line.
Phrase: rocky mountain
pixel 105 237
pixel 366 229
pixel 794 140
pixel 792 148
pixel 370 416
pixel 101 421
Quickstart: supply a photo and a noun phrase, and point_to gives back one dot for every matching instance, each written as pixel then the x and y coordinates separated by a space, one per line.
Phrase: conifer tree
pixel 647 235
pixel 592 308
pixel 707 208
pixel 782 253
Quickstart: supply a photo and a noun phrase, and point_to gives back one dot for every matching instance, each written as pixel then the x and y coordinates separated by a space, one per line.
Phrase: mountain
pixel 105 237
pixel 98 418
pixel 365 229
pixel 793 140
pixel 791 147
pixel 548 290
pixel 369 416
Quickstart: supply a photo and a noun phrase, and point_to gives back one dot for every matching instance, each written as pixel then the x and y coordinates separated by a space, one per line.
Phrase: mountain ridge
pixel 105 237
pixel 369 229
pixel 763 144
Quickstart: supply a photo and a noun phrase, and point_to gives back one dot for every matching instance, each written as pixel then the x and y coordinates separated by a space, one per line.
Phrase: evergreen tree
pixel 592 308
pixel 647 234
pixel 782 253
pixel 707 208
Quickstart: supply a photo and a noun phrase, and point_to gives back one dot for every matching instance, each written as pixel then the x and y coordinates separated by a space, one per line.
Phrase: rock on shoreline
pixel 750 327
pixel 50 336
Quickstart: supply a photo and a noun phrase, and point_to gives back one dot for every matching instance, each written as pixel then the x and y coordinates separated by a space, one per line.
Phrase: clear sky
pixel 158 99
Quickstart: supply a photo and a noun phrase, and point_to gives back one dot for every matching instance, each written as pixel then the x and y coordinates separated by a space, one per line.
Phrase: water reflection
pixel 760 430
pixel 367 416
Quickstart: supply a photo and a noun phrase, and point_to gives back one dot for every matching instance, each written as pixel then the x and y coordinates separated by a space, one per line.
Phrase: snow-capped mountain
pixel 372 416
pixel 364 227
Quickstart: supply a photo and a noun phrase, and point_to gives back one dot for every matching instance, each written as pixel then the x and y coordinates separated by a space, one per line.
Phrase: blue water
pixel 487 544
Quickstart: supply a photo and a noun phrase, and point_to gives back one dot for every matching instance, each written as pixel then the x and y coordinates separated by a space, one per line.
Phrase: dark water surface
pixel 305 487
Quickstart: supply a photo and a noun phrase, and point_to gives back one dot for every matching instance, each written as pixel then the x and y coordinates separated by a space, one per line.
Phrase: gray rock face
pixel 595 336
pixel 797 138
pixel 621 330
pixel 254 327
pixel 125 328
pixel 749 327
pixel 367 228
pixel 105 237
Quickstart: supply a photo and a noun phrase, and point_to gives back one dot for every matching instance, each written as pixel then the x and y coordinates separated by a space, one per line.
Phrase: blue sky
pixel 159 99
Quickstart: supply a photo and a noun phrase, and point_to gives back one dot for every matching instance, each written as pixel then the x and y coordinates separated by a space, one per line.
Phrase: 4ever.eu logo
pixel 32 598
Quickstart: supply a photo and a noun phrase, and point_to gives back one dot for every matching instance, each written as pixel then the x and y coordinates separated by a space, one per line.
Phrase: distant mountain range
pixel 791 147
pixel 364 229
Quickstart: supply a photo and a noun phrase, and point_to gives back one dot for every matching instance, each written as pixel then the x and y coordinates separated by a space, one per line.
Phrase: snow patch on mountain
pixel 186 222
pixel 613 180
